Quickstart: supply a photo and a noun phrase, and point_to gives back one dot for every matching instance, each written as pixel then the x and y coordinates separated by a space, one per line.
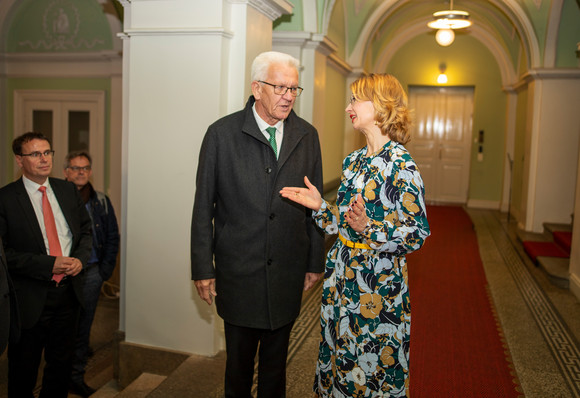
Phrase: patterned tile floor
pixel 540 321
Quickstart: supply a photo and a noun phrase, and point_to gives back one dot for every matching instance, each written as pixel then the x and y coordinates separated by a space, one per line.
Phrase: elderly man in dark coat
pixel 266 249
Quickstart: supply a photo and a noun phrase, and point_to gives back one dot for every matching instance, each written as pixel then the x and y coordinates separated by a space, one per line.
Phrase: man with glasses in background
pixel 78 170
pixel 46 232
pixel 252 250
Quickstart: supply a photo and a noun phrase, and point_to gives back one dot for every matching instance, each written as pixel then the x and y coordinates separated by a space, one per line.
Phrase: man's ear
pixel 18 160
pixel 256 89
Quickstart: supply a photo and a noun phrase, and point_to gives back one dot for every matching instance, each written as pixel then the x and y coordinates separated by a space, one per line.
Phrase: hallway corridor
pixel 540 322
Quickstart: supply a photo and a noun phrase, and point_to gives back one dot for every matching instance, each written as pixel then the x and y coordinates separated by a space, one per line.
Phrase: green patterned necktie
pixel 272 132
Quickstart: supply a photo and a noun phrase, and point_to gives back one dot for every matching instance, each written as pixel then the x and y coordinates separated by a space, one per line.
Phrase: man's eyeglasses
pixel 37 155
pixel 281 90
pixel 76 169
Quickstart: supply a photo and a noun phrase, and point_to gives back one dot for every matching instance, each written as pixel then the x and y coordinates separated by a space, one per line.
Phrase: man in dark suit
pixel 47 240
pixel 266 249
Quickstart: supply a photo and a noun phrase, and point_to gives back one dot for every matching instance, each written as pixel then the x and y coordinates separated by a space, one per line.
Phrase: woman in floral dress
pixel 379 217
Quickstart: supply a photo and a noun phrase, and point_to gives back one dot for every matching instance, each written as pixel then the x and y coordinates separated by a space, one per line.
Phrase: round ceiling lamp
pixel 444 37
pixel 446 21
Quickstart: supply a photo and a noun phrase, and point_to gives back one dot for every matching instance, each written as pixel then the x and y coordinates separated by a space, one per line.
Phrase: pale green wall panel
pixel 357 13
pixel 469 63
pixel 293 22
pixel 59 26
pixel 568 35
pixel 539 14
pixel 332 138
pixel 337 29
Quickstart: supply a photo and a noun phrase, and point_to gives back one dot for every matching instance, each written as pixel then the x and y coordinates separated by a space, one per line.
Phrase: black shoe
pixel 81 388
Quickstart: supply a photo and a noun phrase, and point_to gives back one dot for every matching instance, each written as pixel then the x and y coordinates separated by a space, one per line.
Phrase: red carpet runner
pixel 456 343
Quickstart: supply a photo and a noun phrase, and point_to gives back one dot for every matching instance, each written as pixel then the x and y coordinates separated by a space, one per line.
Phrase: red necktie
pixel 51 233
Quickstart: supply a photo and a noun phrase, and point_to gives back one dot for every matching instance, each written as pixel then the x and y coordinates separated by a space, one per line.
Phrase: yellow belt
pixel 353 245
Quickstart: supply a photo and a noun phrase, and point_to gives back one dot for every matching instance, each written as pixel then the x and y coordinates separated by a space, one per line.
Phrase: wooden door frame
pixel 92 101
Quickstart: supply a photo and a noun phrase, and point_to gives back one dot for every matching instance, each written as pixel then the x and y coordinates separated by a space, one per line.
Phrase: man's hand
pixel 310 279
pixel 68 266
pixel 206 289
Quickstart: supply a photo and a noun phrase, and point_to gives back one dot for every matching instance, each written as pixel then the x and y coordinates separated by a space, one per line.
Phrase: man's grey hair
pixel 262 63
pixel 75 154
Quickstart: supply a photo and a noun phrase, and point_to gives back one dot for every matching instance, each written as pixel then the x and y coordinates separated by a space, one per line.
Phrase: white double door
pixel 441 140
pixel 72 120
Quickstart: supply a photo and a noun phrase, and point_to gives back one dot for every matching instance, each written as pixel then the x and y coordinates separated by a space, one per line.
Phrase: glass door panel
pixel 79 131
pixel 42 121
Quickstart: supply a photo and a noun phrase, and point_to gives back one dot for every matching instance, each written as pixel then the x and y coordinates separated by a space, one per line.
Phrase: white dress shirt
pixel 64 233
pixel 262 125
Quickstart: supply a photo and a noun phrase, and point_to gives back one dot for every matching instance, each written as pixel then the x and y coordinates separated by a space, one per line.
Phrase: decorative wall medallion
pixel 61 23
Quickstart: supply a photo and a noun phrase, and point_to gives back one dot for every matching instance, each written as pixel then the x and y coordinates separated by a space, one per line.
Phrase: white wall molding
pixel 180 31
pixel 77 65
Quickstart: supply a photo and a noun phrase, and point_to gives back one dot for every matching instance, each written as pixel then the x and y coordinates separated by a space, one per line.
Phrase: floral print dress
pixel 366 314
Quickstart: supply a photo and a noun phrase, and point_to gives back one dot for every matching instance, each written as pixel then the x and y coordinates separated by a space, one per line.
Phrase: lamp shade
pixel 444 37
pixel 450 19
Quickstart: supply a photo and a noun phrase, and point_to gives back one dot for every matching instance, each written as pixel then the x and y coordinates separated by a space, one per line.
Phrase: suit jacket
pixel 262 244
pixel 9 322
pixel 29 265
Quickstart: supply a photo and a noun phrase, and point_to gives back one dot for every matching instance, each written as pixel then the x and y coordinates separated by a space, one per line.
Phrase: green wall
pixel 568 35
pixel 337 29
pixel 417 63
pixel 291 22
pixel 59 26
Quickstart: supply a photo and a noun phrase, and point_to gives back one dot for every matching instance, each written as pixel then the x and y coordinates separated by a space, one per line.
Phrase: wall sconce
pixel 442 78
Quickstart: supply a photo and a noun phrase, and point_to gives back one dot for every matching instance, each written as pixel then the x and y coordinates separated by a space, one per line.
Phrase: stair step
pixel 536 249
pixel 531 236
pixel 109 390
pixel 564 240
pixel 208 380
pixel 142 386
pixel 551 227
pixel 557 269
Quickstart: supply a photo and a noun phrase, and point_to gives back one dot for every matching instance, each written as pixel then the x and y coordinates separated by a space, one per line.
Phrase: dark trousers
pixel 54 333
pixel 91 293
pixel 241 346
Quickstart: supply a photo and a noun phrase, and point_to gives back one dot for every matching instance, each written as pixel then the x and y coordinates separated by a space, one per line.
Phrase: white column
pixel 186 64
pixel 553 149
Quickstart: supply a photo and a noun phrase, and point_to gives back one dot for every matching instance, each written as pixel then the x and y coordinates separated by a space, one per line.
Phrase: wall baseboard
pixel 483 204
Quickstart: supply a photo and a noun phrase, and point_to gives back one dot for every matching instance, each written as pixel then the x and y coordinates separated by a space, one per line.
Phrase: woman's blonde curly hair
pixel 389 99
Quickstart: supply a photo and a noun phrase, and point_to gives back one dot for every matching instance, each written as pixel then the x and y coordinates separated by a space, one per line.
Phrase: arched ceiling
pixel 373 25
pixel 523 34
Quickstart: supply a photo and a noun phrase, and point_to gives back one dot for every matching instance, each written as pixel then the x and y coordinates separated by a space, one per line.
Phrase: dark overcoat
pixel 29 265
pixel 262 245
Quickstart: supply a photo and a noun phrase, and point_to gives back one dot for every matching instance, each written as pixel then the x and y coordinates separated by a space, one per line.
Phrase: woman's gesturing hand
pixel 307 197
pixel 356 216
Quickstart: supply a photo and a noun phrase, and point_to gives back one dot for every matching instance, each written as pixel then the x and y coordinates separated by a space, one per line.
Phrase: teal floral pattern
pixel 366 313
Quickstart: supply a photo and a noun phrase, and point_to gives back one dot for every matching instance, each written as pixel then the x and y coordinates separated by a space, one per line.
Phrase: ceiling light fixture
pixel 446 21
